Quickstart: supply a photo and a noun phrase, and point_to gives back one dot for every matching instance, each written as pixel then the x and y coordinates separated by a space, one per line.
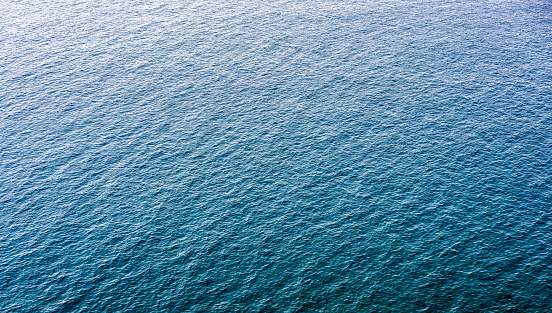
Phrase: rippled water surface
pixel 283 156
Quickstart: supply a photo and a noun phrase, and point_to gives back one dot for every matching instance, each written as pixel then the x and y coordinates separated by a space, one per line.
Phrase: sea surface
pixel 276 156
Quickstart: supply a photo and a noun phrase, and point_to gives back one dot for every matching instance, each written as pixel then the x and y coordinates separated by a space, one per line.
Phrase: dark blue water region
pixel 290 156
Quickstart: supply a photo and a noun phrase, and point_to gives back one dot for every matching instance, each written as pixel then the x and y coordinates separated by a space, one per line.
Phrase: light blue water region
pixel 276 156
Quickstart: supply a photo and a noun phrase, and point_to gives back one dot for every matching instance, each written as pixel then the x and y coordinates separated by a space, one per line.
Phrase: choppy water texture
pixel 284 156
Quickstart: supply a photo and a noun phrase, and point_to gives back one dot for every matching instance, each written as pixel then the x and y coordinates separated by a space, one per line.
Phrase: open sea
pixel 276 156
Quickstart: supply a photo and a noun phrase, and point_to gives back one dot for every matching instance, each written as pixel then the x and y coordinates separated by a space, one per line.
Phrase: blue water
pixel 285 156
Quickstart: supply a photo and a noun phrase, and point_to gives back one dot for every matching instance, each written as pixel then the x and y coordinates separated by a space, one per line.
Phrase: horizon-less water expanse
pixel 276 156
